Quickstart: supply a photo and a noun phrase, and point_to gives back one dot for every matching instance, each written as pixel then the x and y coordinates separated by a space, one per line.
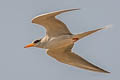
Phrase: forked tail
pixel 84 34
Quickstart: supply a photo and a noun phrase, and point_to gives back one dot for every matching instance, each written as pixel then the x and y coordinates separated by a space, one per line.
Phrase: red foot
pixel 75 39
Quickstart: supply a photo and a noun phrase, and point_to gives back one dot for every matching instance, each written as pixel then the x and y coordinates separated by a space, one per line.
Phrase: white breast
pixel 58 42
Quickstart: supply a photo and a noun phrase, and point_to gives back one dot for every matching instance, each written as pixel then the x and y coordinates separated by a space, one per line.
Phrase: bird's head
pixel 35 43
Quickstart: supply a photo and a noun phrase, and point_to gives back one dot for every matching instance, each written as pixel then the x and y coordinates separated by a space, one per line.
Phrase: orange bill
pixel 29 45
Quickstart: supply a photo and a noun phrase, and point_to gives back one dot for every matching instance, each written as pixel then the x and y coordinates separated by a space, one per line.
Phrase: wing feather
pixel 65 55
pixel 54 27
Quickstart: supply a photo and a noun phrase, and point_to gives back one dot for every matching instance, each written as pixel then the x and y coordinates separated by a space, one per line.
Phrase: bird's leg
pixel 75 39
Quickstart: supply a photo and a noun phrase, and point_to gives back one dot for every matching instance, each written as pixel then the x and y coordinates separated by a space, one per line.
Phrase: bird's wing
pixel 65 55
pixel 54 27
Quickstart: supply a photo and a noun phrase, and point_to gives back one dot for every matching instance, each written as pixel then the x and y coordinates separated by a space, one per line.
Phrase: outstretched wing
pixel 54 27
pixel 65 55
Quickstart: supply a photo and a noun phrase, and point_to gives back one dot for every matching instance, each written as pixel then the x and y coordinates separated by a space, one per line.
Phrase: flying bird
pixel 59 41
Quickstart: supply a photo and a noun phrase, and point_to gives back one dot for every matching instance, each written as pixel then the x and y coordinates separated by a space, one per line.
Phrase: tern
pixel 59 41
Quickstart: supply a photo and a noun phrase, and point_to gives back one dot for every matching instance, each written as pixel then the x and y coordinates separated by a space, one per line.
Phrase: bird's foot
pixel 75 39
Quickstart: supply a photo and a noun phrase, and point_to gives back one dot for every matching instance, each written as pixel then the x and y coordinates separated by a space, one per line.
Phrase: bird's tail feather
pixel 82 35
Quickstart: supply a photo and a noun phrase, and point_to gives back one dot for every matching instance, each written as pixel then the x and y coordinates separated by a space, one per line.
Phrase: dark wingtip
pixel 73 9
pixel 107 72
pixel 76 8
pixel 104 71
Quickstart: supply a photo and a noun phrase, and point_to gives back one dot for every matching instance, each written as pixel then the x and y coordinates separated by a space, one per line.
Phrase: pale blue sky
pixel 16 30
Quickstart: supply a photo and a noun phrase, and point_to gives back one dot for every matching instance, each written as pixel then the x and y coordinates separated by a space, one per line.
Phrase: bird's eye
pixel 36 41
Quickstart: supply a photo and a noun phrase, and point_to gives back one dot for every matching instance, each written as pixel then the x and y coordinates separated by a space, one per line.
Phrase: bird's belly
pixel 59 42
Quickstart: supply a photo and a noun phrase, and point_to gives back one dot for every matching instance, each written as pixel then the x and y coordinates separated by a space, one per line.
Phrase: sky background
pixel 16 30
